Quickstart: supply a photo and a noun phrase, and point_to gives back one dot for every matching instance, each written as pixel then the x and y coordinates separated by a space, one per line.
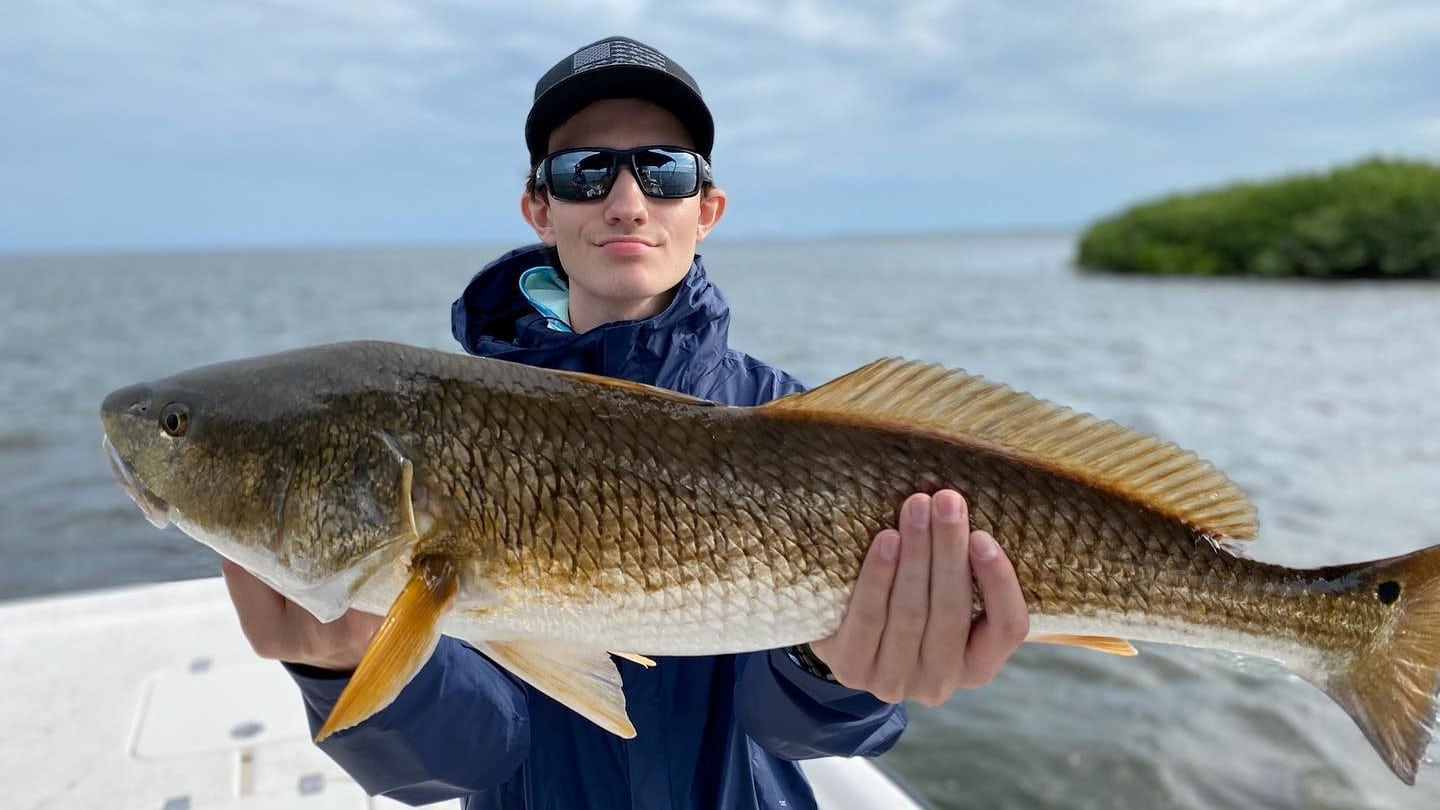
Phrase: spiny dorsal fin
pixel 1161 475
pixel 627 385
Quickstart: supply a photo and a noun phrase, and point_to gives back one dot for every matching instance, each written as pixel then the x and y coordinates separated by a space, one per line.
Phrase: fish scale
pixel 1020 506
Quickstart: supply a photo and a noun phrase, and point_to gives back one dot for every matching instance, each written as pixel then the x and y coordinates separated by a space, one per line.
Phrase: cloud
pixel 1111 97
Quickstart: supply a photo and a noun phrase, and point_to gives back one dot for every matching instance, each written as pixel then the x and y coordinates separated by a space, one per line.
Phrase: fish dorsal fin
pixel 627 385
pixel 1160 475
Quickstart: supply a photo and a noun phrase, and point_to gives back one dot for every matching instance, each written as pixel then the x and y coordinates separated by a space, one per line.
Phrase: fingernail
pixel 889 546
pixel 983 547
pixel 947 508
pixel 917 512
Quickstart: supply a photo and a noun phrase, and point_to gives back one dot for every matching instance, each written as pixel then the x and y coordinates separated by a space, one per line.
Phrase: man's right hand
pixel 278 628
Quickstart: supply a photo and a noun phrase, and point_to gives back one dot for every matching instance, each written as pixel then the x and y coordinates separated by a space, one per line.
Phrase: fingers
pixel 260 609
pixel 947 627
pixel 277 628
pixel 1005 623
pixel 909 604
pixel 850 653
pixel 909 631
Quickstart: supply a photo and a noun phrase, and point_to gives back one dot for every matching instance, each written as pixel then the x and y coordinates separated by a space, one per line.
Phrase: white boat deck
pixel 149 698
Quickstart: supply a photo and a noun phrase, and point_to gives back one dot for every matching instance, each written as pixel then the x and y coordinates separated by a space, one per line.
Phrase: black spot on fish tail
pixel 1388 591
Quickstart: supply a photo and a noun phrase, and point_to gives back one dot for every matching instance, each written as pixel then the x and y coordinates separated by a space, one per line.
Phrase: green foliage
pixel 1376 219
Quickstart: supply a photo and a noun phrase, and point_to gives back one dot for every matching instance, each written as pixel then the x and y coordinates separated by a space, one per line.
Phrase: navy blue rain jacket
pixel 712 731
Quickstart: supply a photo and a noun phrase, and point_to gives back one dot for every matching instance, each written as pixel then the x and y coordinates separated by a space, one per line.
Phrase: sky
pixel 166 124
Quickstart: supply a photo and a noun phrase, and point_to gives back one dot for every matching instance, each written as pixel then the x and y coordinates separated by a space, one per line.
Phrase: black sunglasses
pixel 665 172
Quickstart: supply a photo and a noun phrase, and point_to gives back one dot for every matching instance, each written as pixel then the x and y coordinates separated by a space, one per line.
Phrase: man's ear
pixel 536 210
pixel 712 207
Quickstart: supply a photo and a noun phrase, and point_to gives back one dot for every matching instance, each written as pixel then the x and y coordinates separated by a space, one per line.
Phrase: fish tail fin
pixel 1390 687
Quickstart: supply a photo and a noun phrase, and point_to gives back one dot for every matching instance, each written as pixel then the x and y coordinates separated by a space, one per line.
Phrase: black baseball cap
pixel 616 67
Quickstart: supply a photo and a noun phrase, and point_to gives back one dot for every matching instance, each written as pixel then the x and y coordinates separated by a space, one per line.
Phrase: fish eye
pixel 175 419
pixel 1388 591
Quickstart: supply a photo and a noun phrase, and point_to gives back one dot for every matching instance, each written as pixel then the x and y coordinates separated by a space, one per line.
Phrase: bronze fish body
pixel 550 518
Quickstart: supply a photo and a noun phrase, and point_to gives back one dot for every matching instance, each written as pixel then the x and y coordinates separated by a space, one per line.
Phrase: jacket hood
pixel 686 341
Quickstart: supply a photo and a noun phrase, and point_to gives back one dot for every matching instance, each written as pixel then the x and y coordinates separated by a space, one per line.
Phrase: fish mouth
pixel 156 510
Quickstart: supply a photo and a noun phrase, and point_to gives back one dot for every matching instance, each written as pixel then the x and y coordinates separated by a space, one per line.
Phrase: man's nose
pixel 626 202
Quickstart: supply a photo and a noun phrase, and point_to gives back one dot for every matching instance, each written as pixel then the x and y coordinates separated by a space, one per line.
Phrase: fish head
pixel 181 454
pixel 121 414
pixel 281 463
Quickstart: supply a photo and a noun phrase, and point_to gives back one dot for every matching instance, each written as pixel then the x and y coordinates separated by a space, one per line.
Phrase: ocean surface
pixel 1321 400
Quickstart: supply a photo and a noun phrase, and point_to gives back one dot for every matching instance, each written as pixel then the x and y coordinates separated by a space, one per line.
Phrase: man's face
pixel 626 252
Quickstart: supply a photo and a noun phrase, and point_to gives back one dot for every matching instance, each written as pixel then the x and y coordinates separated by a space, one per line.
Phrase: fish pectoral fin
pixel 1105 644
pixel 634 658
pixel 400 647
pixel 586 681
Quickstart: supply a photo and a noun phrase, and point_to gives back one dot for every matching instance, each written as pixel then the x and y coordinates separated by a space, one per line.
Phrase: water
pixel 1321 400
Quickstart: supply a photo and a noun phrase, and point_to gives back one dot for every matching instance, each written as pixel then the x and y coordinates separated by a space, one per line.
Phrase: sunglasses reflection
pixel 590 174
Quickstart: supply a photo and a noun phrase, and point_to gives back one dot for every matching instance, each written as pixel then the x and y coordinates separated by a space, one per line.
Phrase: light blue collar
pixel 548 292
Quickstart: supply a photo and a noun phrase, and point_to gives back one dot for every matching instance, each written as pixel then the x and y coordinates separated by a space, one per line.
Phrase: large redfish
pixel 553 518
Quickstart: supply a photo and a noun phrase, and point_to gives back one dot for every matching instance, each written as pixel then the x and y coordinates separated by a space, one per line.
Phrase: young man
pixel 620 193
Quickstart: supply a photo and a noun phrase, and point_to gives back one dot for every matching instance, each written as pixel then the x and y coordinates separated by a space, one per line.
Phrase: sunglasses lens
pixel 667 172
pixel 581 174
pixel 588 174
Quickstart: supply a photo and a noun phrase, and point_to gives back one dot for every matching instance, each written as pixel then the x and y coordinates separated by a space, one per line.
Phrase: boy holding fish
pixel 619 194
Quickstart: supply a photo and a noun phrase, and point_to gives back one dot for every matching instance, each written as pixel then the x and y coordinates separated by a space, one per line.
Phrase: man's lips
pixel 638 240
pixel 625 245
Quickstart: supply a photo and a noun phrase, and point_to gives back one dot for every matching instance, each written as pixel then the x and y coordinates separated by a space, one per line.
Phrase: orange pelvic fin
pixel 401 646
pixel 1105 644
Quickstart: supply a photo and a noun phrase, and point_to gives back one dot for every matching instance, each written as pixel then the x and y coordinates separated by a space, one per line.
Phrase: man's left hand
pixel 908 633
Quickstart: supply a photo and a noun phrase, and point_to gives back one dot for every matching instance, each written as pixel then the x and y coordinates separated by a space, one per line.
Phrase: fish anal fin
pixel 967 408
pixel 635 658
pixel 584 680
pixel 1109 645
pixel 400 647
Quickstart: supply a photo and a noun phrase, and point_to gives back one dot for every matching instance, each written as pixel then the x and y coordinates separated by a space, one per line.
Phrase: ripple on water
pixel 14 441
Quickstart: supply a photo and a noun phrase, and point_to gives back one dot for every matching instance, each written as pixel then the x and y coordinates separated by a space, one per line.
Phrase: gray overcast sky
pixel 165 124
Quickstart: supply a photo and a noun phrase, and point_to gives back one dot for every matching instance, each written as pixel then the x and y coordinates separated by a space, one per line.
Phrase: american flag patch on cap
pixel 599 52
pixel 621 52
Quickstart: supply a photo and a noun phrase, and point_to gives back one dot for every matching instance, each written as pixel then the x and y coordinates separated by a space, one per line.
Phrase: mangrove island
pixel 1379 218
